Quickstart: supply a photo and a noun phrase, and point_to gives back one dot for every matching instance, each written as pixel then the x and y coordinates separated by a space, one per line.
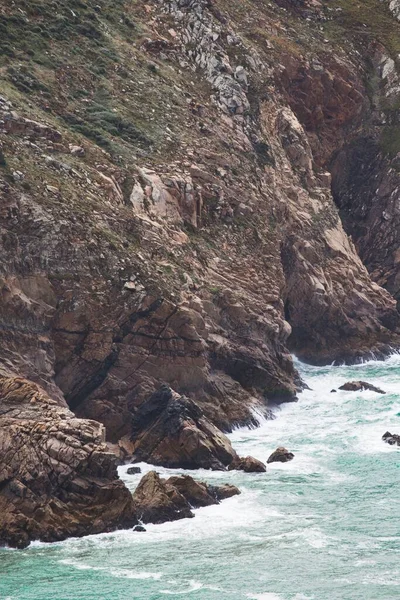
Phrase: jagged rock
pixel 159 500
pixel 360 386
pixel 244 208
pixel 391 438
pixel 200 494
pixel 133 470
pixel 248 465
pixel 280 455
pixel 172 431
pixel 57 478
pixel 222 492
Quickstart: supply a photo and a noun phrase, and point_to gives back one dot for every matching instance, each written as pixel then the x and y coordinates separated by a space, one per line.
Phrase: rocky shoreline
pixel 170 235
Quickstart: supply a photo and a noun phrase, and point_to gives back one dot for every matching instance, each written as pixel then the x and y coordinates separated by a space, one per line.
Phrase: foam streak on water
pixel 322 527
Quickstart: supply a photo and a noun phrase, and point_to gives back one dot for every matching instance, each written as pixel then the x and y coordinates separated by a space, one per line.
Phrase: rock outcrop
pixel 360 386
pixel 166 207
pixel 391 438
pixel 57 478
pixel 281 454
pixel 172 431
pixel 158 500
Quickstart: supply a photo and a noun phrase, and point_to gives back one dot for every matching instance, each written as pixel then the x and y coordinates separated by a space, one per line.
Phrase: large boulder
pixel 57 477
pixel 171 431
pixel 156 501
pixel 391 438
pixel 360 386
pixel 199 493
pixel 281 454
pixel 248 465
pixel 159 500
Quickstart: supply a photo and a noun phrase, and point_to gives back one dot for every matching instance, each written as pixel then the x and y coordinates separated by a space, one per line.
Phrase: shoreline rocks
pixel 172 431
pixel 57 477
pixel 360 386
pixel 159 500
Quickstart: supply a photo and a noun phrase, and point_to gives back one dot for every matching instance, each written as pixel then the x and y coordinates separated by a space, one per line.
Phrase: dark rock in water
pixel 222 492
pixel 139 528
pixel 171 430
pixel 134 470
pixel 159 500
pixel 391 438
pixel 199 493
pixel 280 455
pixel 248 465
pixel 360 386
pixel 333 391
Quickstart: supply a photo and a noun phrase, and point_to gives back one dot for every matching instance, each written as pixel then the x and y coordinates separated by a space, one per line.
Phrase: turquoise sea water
pixel 325 526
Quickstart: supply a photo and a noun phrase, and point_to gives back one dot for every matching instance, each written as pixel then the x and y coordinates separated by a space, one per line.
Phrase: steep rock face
pixel 56 477
pixel 166 216
pixel 348 105
pixel 171 431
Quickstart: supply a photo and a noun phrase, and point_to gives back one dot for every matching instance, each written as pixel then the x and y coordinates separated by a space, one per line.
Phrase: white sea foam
pixel 264 596
pixel 193 586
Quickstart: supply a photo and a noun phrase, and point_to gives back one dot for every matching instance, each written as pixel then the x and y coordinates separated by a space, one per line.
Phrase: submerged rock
pixel 360 386
pixel 139 528
pixel 171 431
pixel 391 438
pixel 280 455
pixel 248 465
pixel 159 500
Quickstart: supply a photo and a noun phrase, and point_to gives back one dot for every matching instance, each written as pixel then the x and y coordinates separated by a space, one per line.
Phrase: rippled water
pixel 324 527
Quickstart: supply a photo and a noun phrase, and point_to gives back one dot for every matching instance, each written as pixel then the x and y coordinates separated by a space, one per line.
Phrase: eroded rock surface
pixel 57 478
pixel 166 210
pixel 172 431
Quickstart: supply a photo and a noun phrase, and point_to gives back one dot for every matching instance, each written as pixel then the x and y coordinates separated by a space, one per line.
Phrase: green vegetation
pixel 366 20
pixel 390 140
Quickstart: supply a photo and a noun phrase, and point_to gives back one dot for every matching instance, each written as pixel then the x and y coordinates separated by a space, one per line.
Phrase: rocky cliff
pixel 166 206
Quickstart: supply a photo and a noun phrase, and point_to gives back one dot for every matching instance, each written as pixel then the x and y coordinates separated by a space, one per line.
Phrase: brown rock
pixel 280 455
pixel 360 386
pixel 57 478
pixel 199 493
pixel 159 500
pixel 248 465
pixel 156 501
pixel 170 430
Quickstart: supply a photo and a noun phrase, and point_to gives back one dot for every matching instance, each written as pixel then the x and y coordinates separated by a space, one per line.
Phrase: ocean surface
pixel 325 526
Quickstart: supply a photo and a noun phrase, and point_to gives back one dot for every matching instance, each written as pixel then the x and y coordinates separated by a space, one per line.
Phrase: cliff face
pixel 166 207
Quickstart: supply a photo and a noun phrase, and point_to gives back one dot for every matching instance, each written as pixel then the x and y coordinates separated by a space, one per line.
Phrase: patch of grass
pixel 366 20
pixel 390 140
